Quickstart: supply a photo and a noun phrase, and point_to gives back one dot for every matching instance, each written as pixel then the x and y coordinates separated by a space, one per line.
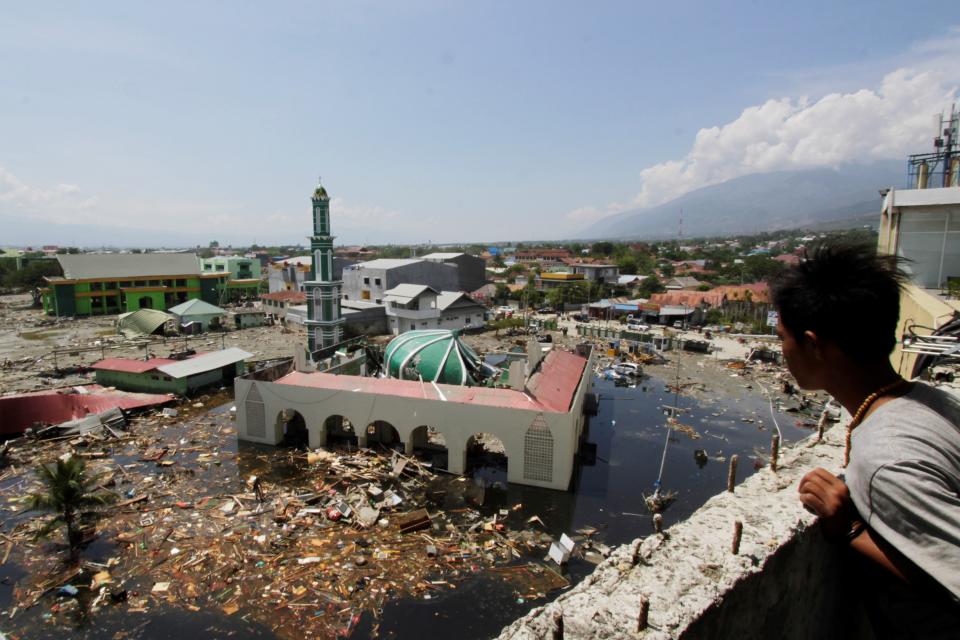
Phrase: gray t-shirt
pixel 904 478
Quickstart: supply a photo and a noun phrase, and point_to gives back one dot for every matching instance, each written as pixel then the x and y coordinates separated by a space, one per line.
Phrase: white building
pixel 412 306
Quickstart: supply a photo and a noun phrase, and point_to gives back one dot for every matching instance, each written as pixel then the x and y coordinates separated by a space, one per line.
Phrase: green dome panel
pixel 432 355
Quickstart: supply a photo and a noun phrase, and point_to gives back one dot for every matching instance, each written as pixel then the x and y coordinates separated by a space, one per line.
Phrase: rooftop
pixel 443 256
pixel 551 389
pixel 128 265
pixel 195 307
pixel 386 263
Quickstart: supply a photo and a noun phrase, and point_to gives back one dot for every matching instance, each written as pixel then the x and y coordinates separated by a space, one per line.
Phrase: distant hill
pixel 761 202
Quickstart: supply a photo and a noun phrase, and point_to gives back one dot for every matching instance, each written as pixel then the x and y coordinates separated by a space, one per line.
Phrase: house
pixel 201 315
pixel 245 318
pixel 683 282
pixel 289 274
pixel 170 375
pixel 412 306
pixel 630 281
pixel 245 276
pixel 275 304
pixel 599 273
pixel 543 256
pixel 109 283
pixel 369 281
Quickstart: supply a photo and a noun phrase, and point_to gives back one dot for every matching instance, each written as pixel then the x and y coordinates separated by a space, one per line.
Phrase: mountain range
pixel 809 198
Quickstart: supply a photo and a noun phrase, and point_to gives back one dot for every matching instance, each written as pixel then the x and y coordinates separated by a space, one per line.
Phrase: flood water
pixel 629 435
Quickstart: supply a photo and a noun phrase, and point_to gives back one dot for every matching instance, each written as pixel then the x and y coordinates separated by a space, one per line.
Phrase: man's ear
pixel 812 342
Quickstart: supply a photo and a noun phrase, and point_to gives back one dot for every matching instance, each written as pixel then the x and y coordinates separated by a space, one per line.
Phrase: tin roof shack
pixel 203 313
pixel 243 318
pixel 165 375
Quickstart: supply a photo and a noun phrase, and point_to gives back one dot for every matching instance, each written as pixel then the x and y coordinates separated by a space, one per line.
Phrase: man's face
pixel 801 360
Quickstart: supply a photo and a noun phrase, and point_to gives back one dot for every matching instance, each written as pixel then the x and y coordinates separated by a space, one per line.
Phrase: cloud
pixel 60 203
pixel 885 122
pixel 865 125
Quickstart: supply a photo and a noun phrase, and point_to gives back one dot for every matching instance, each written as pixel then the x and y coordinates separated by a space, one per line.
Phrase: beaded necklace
pixel 864 407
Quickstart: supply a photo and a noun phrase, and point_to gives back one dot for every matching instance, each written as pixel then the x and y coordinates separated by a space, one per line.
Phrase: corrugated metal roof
pixel 406 292
pixel 556 382
pixel 195 307
pixel 442 256
pixel 141 322
pixel 386 263
pixel 128 265
pixel 204 363
pixel 131 366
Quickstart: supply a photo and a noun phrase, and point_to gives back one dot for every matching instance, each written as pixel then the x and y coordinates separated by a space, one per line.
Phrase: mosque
pixel 431 391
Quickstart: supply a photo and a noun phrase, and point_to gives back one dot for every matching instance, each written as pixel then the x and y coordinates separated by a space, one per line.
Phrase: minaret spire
pixel 324 323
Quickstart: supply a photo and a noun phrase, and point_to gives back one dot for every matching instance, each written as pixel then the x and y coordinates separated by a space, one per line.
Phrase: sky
pixel 438 121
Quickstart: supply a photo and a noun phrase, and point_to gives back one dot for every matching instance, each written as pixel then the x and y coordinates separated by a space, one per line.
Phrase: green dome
pixel 432 355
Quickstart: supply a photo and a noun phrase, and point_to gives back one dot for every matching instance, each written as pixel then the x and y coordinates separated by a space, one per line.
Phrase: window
pixel 346 297
pixel 96 301
pixel 140 283
pixel 467 320
pixel 96 286
pixel 378 301
pixel 366 281
pixel 220 267
pixel 153 283
pixel 423 324
pixel 110 285
pixel 181 283
pixel 930 240
pixel 376 281
pixel 365 295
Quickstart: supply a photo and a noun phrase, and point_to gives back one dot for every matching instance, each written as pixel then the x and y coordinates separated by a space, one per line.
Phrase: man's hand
pixel 827 496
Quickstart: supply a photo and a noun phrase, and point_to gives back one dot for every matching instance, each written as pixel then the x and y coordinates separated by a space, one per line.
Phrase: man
pixel 899 506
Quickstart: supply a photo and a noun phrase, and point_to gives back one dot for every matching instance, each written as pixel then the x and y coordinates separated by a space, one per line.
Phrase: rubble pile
pixel 301 543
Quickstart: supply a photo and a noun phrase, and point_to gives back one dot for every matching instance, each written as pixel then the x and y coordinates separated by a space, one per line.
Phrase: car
pixel 637 326
pixel 544 310
pixel 678 324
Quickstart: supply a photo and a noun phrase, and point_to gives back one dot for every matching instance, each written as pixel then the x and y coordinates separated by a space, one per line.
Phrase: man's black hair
pixel 846 294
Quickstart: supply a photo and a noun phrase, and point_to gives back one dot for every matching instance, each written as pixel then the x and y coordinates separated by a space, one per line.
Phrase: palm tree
pixel 69 492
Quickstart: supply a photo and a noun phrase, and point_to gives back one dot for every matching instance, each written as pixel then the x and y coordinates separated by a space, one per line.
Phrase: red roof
pixel 131 366
pixel 556 382
pixel 551 389
pixel 285 296
pixel 60 405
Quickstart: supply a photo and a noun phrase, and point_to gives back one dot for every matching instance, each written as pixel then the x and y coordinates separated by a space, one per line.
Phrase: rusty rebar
pixel 737 534
pixel 558 625
pixel 732 473
pixel 644 613
pixel 774 452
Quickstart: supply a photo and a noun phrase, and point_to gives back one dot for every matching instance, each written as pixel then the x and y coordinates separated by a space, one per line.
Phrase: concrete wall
pixel 440 276
pixel 786 582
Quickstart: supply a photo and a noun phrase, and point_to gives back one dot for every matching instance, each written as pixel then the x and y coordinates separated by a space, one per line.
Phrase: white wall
pixel 260 403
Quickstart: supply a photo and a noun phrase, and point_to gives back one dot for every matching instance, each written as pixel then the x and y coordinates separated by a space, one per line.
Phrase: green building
pixel 162 375
pixel 100 284
pixel 245 276
pixel 13 257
